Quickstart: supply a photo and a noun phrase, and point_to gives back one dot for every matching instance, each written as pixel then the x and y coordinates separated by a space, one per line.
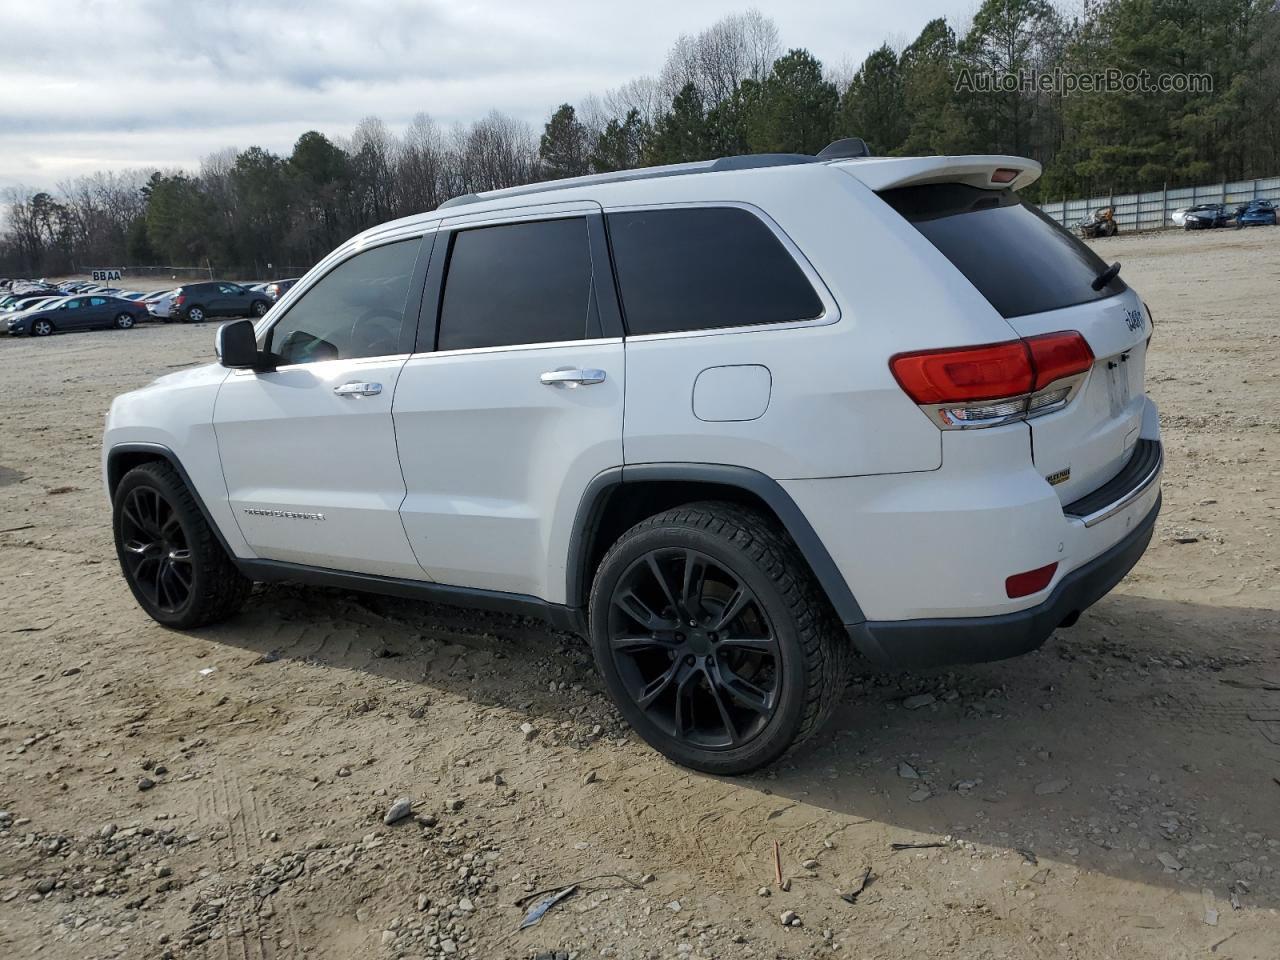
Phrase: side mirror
pixel 236 346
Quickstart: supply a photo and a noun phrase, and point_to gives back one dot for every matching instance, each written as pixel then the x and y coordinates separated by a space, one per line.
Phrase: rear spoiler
pixel 986 172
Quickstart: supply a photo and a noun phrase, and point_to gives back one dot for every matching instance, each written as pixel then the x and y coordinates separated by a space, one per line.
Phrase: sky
pixel 90 85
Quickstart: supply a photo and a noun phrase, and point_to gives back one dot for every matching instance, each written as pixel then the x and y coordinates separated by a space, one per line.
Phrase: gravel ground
pixel 222 793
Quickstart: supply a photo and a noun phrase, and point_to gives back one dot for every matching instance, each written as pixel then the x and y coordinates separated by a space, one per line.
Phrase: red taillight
pixel 1059 355
pixel 970 373
pixel 994 383
pixel 993 371
pixel 1005 175
pixel 1033 581
pixel 179 301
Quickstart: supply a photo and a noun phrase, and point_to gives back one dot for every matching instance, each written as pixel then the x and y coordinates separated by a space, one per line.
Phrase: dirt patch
pixel 1115 794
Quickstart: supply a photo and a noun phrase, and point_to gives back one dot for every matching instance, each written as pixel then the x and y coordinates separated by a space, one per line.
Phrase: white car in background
pixel 873 404
pixel 1179 217
pixel 160 305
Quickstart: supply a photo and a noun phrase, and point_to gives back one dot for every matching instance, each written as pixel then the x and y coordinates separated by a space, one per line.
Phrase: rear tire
pixel 259 308
pixel 737 659
pixel 169 555
pixel 124 321
pixel 194 315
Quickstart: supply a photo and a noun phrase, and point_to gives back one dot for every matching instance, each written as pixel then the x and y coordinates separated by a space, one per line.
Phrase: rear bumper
pixel 933 642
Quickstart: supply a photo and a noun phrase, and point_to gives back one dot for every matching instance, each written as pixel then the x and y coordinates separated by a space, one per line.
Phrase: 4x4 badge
pixel 1134 319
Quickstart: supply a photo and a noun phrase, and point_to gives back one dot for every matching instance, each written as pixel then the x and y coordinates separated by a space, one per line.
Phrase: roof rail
pixel 751 161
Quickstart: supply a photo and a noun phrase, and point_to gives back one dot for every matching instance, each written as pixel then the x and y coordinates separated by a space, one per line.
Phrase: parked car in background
pixel 1200 210
pixel 1256 213
pixel 277 287
pixel 19 304
pixel 160 305
pixel 196 302
pixel 1207 216
pixel 78 313
pixel 1102 223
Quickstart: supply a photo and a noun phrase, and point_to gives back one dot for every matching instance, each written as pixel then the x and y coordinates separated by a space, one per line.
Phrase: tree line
pixel 730 89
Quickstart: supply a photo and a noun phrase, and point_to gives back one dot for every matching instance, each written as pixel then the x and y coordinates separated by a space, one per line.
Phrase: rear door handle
pixel 571 377
pixel 358 388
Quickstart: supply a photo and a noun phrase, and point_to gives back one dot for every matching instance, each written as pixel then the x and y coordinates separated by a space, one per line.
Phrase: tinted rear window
pixel 517 283
pixel 701 267
pixel 1019 259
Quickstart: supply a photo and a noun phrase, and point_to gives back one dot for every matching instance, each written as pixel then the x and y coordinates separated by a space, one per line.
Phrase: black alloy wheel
pixel 154 550
pixel 694 648
pixel 714 639
pixel 171 558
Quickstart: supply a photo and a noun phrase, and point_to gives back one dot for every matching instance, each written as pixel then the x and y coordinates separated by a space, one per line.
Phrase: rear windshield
pixel 1019 259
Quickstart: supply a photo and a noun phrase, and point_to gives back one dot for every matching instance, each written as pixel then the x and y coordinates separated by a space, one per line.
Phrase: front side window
pixel 356 310
pixel 227 288
pixel 517 283
pixel 698 268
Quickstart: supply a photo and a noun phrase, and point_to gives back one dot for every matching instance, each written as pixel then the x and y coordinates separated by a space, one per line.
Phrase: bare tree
pixel 735 48
pixel 421 167
pixel 643 95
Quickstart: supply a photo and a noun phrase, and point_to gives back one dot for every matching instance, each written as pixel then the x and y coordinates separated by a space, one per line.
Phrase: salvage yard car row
pixel 38 308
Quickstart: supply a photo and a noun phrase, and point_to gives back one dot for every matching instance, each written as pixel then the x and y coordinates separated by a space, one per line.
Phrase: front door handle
pixel 570 377
pixel 358 388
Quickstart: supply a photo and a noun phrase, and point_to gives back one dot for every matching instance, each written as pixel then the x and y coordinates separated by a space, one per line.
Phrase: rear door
pixel 513 402
pixel 1040 278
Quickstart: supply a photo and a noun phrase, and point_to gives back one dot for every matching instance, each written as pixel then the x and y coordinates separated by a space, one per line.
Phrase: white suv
pixel 733 421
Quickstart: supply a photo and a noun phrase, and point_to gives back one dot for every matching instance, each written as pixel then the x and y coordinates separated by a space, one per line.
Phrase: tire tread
pixel 225 588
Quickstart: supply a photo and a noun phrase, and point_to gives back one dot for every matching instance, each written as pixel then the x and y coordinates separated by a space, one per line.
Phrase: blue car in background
pixel 1256 213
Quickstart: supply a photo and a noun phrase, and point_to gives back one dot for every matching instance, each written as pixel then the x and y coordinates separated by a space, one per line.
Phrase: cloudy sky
pixel 105 84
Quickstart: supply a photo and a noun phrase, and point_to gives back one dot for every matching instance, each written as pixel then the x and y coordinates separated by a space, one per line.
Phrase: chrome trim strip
pixel 1111 509
pixel 507 348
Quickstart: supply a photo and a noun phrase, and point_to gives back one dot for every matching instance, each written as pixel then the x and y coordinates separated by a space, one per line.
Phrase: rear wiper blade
pixel 1106 276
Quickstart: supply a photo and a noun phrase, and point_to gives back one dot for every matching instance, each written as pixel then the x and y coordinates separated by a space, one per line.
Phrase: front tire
pixel 714 639
pixel 124 321
pixel 173 563
pixel 41 328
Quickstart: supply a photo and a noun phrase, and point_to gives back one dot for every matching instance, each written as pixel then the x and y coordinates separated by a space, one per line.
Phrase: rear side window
pixel 698 268
pixel 1018 258
pixel 518 283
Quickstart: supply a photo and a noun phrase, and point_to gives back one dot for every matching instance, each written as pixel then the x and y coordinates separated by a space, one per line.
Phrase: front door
pixel 308 449
pixel 514 403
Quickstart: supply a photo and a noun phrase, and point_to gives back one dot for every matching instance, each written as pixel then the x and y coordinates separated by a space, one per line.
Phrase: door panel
pixel 495 461
pixel 309 450
pixel 312 475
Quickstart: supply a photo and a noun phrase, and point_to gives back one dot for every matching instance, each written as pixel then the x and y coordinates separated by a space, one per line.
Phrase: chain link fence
pixel 1153 210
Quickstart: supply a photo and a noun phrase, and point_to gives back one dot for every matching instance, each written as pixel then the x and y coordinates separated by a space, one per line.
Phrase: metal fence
pixel 1151 211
